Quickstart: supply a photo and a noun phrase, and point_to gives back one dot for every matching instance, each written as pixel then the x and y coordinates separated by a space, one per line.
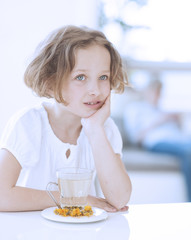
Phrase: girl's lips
pixel 94 104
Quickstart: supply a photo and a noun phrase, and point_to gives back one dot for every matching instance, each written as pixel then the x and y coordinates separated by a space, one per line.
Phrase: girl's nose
pixel 93 88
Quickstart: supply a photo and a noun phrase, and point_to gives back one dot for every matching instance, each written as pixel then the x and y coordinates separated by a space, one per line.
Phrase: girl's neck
pixel 65 125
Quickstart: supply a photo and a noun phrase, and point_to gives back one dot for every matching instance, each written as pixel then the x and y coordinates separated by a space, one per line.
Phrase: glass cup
pixel 74 185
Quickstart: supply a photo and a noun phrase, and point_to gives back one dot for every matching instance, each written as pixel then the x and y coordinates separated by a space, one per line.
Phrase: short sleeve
pixel 22 136
pixel 114 136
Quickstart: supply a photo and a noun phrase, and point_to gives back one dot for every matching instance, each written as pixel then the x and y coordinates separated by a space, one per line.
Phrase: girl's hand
pixel 98 118
pixel 103 204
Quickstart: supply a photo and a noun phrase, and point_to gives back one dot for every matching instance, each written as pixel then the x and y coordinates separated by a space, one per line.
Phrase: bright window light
pixel 166 36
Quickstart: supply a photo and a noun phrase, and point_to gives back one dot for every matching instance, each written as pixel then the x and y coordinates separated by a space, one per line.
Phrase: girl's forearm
pixel 25 199
pixel 114 180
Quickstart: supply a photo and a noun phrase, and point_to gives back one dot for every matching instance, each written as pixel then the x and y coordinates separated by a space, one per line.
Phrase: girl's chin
pixel 87 115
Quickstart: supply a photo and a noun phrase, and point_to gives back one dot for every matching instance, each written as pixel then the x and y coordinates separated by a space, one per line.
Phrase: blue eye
pixel 103 77
pixel 80 77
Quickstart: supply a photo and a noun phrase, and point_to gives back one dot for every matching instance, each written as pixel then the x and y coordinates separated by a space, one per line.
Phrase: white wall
pixel 23 25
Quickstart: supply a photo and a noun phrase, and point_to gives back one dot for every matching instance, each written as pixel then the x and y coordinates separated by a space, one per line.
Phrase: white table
pixel 141 222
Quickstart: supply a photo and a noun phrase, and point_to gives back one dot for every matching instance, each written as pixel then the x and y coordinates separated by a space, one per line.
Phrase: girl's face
pixel 88 85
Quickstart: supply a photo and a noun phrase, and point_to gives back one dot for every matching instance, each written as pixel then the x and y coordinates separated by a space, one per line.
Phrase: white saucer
pixel 98 215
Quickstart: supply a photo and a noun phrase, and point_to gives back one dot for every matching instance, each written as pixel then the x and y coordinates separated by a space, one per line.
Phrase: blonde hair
pixel 46 74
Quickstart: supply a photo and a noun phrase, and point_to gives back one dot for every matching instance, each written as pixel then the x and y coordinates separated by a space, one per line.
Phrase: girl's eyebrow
pixel 79 70
pixel 84 70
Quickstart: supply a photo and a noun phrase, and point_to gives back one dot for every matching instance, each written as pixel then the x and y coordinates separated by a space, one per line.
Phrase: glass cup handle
pixel 50 194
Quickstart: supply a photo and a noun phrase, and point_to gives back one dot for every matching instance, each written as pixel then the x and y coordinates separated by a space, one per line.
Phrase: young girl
pixel 78 67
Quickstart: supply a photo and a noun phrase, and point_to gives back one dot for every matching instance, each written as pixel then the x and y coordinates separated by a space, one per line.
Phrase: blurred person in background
pixel 155 130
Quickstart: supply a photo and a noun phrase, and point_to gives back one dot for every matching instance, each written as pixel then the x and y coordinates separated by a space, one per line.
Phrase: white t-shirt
pixel 30 138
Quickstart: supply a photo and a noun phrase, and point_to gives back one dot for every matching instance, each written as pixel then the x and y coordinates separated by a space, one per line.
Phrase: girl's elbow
pixel 123 199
